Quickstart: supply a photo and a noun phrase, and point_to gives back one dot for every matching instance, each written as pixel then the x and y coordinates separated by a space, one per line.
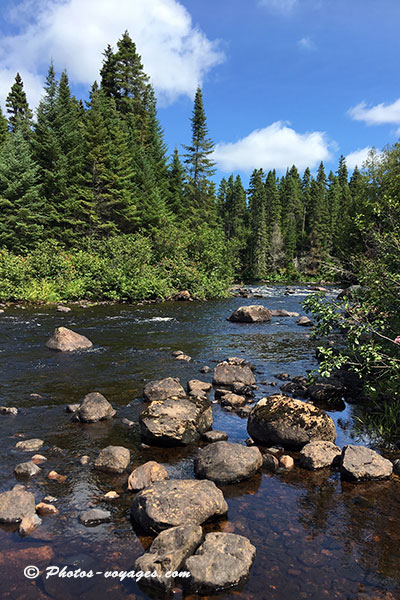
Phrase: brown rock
pixel 113 459
pixel 29 524
pixel 65 340
pixel 286 462
pixel 145 475
pixel 162 389
pixel 43 509
pixel 251 314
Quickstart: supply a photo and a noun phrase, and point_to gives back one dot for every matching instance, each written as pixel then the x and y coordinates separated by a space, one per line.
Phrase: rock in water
pixel 8 410
pixel 27 469
pixel 175 421
pixel 215 436
pixel 319 455
pixel 146 474
pixel 29 524
pixel 63 309
pixel 304 322
pixel 162 389
pixel 168 553
pixel 195 385
pixel 222 561
pixel 225 462
pixel 65 340
pixel 30 445
pixel 94 516
pixel 95 407
pixel 229 373
pixel 359 463
pixel 113 459
pixel 233 400
pixel 175 502
pixel 288 422
pixel 16 504
pixel 251 314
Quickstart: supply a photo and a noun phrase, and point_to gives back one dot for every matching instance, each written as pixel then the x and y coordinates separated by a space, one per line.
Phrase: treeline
pixel 83 174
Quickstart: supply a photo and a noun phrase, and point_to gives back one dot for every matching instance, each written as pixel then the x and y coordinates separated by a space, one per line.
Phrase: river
pixel 316 537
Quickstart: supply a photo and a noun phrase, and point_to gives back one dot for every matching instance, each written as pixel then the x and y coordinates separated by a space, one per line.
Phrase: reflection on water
pixel 316 537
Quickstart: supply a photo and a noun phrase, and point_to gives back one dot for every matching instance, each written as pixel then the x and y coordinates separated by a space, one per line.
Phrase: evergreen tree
pixel 292 212
pixel 17 106
pixel 199 165
pixel 306 200
pixel 21 207
pixel 273 223
pixel 319 215
pixel 333 199
pixel 108 73
pixel 221 200
pixel 176 185
pixel 258 253
pixel 3 128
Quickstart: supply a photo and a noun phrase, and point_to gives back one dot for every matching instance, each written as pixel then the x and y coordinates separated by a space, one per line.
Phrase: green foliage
pixel 17 106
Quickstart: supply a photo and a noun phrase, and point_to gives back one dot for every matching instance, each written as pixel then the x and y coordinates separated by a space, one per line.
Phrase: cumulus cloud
pixel 282 6
pixel 176 54
pixel 376 115
pixel 277 146
pixel 358 157
pixel 306 43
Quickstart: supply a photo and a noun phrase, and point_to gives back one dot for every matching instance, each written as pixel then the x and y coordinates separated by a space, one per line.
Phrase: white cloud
pixel 376 115
pixel 175 53
pixel 306 43
pixel 358 157
pixel 282 6
pixel 274 147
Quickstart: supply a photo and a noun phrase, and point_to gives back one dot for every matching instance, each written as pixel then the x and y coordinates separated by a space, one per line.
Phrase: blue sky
pixel 284 81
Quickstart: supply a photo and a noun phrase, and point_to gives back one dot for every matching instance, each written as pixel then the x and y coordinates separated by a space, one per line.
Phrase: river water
pixel 316 537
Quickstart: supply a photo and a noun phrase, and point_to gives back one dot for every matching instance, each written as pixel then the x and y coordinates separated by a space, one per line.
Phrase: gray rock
pixel 214 436
pixel 243 411
pixel 223 561
pixel 168 553
pixel 233 400
pixel 8 410
pixel 175 421
pixel 205 369
pixel 283 313
pixel 29 524
pixel 251 314
pixel 195 385
pixel 72 408
pixel 177 502
pixel 65 340
pixel 162 389
pixel 113 459
pixel 282 376
pixel 291 423
pixel 396 466
pixel 95 407
pixel 94 516
pixel 184 357
pixel 325 392
pixel 225 462
pixel 359 463
pixel 270 462
pixel 304 322
pixel 227 374
pixel 30 445
pixel 26 469
pixel 319 455
pixel 63 309
pixel 16 504
pixel 145 475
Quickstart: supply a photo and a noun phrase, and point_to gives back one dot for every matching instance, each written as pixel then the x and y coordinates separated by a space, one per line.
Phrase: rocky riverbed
pixel 281 518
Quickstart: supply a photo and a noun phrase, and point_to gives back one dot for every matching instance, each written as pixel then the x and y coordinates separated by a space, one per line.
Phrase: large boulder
pixel 65 340
pixel 16 504
pixel 113 459
pixel 94 407
pixel 195 386
pixel 226 462
pixel 168 553
pixel 223 560
pixel 162 389
pixel 177 502
pixel 251 314
pixel 176 421
pixel 291 423
pixel 234 376
pixel 145 475
pixel 359 463
pixel 319 455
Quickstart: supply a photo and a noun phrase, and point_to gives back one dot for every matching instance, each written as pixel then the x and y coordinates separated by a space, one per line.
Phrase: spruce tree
pixel 319 215
pixel 333 199
pixel 199 166
pixel 3 128
pixel 17 107
pixel 22 211
pixel 258 251
pixel 176 184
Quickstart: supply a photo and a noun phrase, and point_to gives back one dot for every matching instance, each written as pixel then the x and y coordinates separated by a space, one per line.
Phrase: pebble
pixel 286 462
pixel 57 477
pixel 8 410
pixel 45 509
pixel 30 445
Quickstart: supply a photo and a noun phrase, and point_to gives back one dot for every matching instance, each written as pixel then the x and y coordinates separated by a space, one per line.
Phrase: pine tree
pixel 199 166
pixel 17 106
pixel 22 213
pixel 3 128
pixel 319 215
pixel 333 199
pixel 221 200
pixel 306 200
pixel 273 222
pixel 258 251
pixel 292 212
pixel 176 184
pixel 108 73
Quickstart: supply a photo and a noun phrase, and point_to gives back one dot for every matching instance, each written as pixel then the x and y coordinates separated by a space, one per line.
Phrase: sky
pixel 284 81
